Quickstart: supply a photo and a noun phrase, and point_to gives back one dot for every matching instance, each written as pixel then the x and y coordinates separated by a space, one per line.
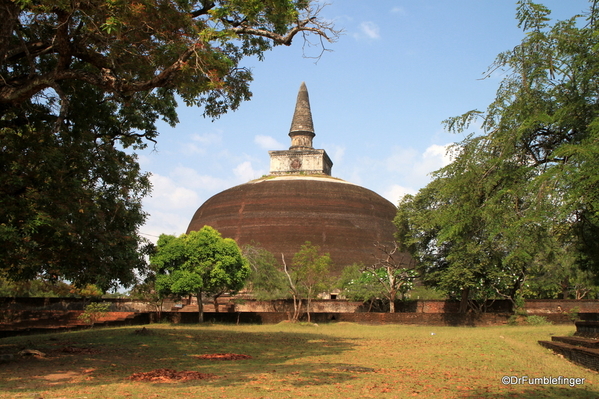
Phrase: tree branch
pixel 204 10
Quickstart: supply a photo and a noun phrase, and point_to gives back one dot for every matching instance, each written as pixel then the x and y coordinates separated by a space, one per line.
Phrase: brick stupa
pixel 299 201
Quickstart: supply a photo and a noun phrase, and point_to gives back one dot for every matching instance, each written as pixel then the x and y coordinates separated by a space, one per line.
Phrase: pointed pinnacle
pixel 302 117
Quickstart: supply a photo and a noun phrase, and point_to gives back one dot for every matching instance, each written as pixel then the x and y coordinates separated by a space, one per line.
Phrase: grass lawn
pixel 341 360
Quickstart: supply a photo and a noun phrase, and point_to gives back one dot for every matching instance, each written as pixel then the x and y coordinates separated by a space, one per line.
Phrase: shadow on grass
pixel 85 359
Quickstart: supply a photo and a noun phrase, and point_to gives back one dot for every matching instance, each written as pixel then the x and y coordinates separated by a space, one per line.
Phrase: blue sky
pixel 378 100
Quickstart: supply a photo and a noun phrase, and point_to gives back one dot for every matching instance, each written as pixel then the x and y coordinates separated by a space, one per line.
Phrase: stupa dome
pixel 299 201
pixel 281 213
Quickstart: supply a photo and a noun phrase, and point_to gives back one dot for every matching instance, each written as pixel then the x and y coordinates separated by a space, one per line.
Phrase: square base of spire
pixel 296 162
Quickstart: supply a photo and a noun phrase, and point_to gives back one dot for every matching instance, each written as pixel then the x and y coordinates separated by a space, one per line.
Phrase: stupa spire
pixel 302 128
pixel 301 157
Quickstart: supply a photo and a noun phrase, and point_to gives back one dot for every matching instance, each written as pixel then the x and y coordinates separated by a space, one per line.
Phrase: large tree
pixel 526 190
pixel 189 47
pixel 199 263
pixel 82 84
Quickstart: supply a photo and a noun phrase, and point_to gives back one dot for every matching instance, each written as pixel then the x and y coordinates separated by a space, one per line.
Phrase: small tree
pixel 310 274
pixel 294 290
pixel 394 271
pixel 147 292
pixel 94 312
pixel 266 280
pixel 357 286
pixel 199 263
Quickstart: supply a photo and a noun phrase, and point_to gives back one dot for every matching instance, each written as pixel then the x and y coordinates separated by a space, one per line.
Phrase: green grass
pixel 340 360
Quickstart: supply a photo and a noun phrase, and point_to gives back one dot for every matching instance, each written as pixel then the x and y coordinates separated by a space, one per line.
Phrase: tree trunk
pixel 308 309
pixel 200 308
pixel 565 285
pixel 159 309
pixel 392 296
pixel 298 308
pixel 216 302
pixel 294 292
pixel 295 308
pixel 464 300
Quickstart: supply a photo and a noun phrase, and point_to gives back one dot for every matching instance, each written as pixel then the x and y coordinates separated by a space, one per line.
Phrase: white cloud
pixel 208 139
pixel 144 161
pixel 200 142
pixel 192 149
pixel 189 177
pixel 434 157
pixel 166 194
pixel 439 152
pixel 401 160
pixel 414 167
pixel 245 172
pixel 268 143
pixel 404 171
pixel 369 30
pixel 396 192
pixel 398 10
pixel 175 199
pixel 164 222
pixel 336 153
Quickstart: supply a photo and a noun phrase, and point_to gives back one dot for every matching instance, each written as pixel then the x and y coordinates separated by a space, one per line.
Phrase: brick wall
pixel 539 306
pixel 543 307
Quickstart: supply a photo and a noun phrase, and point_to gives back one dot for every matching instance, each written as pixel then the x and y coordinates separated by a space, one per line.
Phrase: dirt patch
pixel 223 356
pixel 68 375
pixel 168 375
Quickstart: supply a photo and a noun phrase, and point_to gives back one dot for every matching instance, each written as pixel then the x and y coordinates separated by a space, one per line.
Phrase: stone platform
pixel 583 347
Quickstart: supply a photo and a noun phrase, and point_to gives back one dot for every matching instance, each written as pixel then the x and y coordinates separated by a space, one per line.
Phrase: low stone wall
pixel 533 306
pixel 117 304
pixel 543 307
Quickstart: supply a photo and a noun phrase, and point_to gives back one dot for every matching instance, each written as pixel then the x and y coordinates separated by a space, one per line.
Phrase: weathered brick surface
pixel 32 322
pixel 538 306
pixel 578 341
pixel 587 328
pixel 26 303
pixel 281 214
pixel 586 357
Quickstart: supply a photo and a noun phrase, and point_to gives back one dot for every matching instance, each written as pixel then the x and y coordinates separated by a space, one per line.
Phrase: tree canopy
pixel 82 85
pixel 307 277
pixel 523 194
pixel 393 271
pixel 266 280
pixel 199 263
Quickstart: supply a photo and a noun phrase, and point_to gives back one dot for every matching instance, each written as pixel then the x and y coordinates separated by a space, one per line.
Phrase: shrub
pixel 513 320
pixel 93 312
pixel 574 314
pixel 535 320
